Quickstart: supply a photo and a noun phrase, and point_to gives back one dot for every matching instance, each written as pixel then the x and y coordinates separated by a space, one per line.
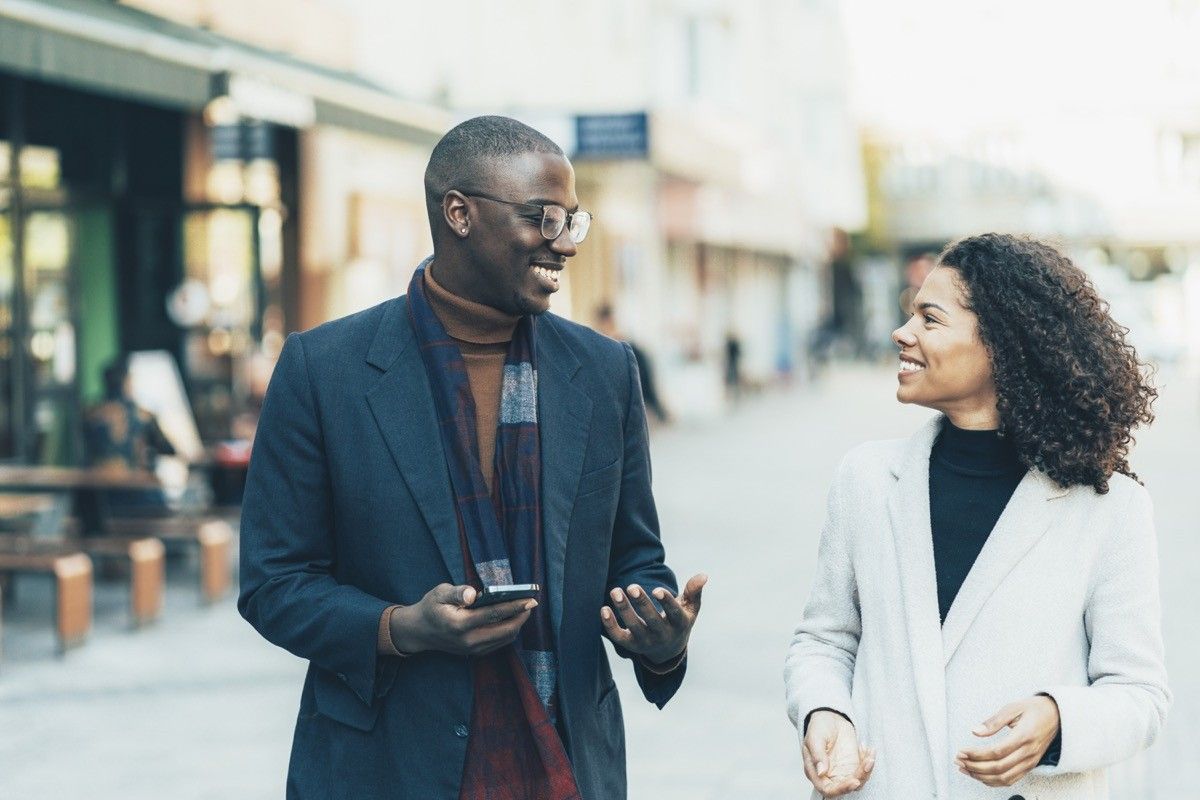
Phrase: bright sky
pixel 954 64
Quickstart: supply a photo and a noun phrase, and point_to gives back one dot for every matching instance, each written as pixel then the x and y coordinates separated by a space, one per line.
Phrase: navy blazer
pixel 348 510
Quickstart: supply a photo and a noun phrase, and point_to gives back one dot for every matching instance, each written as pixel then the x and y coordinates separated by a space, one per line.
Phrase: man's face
pixel 513 267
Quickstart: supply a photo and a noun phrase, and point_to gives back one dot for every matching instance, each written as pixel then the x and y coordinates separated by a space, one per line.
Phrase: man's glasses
pixel 554 218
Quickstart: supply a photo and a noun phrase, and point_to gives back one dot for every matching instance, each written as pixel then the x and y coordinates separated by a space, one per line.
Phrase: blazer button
pixel 460 731
pixel 341 677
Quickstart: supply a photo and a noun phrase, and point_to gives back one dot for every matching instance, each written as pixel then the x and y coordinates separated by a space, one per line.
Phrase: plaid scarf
pixel 503 532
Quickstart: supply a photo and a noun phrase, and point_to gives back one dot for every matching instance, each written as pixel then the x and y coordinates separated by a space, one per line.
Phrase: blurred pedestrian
pixel 916 270
pixel 606 323
pixel 452 441
pixel 841 328
pixel 120 436
pixel 846 311
pixel 986 598
pixel 733 366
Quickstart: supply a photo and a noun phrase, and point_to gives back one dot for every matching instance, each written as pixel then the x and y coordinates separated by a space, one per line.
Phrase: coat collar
pixel 564 418
pixel 908 510
pixel 1023 522
pixel 402 404
pixel 1025 519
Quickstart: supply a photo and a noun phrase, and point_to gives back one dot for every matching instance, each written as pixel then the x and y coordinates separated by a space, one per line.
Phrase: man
pixel 450 439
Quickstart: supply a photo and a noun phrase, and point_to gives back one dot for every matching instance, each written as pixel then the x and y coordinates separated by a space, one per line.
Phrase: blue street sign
pixel 612 136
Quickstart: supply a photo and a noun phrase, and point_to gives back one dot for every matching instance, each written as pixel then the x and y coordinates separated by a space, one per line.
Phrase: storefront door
pixel 230 276
pixel 39 314
pixel 49 271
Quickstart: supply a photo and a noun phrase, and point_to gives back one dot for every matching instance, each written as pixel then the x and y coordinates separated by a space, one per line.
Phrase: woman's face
pixel 943 362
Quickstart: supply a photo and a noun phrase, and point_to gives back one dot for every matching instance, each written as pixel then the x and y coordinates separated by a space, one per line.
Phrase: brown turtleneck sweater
pixel 482 334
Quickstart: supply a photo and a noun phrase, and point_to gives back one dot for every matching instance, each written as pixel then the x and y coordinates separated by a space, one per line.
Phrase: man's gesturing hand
pixel 834 761
pixel 1034 723
pixel 444 620
pixel 656 636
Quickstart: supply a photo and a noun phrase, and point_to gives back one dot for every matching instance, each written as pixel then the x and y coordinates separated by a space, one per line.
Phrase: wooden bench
pixel 145 559
pixel 211 537
pixel 71 570
pixel 141 558
pixel 82 488
pixel 17 506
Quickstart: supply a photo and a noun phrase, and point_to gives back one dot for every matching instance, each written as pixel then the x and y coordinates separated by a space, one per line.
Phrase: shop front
pixel 151 201
pixel 86 183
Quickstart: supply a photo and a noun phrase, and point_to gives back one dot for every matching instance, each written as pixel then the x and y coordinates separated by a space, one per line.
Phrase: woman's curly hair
pixel 1069 387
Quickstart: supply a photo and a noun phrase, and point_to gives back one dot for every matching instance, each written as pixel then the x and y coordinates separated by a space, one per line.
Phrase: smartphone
pixel 502 594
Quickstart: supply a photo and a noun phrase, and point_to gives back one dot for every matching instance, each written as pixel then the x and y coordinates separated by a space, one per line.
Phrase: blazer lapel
pixel 1024 520
pixel 908 508
pixel 402 404
pixel 564 415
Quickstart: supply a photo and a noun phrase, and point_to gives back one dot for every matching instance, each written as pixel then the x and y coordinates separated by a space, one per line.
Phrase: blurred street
pixel 184 184
pixel 200 704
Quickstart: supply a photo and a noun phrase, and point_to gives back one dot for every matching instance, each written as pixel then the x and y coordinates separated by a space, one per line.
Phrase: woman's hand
pixel 1034 723
pixel 834 761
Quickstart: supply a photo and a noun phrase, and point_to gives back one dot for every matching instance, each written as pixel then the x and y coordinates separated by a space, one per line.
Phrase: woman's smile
pixel 909 366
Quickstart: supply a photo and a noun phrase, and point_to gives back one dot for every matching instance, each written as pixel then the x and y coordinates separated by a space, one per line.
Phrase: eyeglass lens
pixel 581 222
pixel 554 218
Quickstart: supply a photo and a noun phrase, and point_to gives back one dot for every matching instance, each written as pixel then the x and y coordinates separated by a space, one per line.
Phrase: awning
pixel 111 48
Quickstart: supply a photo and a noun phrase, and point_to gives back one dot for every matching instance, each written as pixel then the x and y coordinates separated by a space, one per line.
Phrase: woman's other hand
pixel 1034 723
pixel 834 761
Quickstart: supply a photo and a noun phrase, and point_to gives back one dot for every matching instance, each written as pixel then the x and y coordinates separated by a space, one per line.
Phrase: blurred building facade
pixel 164 185
pixel 711 139
pixel 1110 170
pixel 204 176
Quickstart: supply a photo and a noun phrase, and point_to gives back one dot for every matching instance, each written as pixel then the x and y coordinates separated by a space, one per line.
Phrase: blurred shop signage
pixel 255 99
pixel 247 140
pixel 612 136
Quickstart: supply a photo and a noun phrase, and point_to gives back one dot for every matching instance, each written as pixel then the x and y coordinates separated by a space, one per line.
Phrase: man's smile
pixel 547 275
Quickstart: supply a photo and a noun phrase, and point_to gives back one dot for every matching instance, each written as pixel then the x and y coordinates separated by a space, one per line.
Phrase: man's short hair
pixel 462 157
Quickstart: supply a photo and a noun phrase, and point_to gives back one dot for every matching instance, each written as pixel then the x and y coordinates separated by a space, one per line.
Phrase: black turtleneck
pixel 972 475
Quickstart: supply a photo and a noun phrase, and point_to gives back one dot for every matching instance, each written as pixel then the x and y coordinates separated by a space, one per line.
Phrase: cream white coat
pixel 1062 600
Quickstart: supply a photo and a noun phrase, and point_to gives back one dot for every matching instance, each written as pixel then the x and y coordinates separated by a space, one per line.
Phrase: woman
pixel 985 611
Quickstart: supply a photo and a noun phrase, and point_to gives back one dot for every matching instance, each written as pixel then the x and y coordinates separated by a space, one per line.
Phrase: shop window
pixel 7 281
pixel 40 168
pixel 51 345
pixel 217 305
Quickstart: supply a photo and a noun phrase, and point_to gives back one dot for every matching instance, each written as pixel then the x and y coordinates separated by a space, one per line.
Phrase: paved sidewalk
pixel 198 706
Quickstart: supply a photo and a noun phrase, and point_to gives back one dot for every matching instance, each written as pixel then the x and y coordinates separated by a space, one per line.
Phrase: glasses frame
pixel 566 226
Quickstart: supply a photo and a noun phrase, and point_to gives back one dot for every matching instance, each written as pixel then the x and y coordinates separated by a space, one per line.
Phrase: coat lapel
pixel 1024 520
pixel 564 415
pixel 908 508
pixel 402 404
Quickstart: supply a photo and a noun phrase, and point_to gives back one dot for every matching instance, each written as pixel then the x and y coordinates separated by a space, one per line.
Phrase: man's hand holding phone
pixel 450 619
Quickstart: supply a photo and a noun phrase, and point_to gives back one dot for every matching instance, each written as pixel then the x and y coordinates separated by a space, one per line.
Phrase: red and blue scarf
pixel 503 530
